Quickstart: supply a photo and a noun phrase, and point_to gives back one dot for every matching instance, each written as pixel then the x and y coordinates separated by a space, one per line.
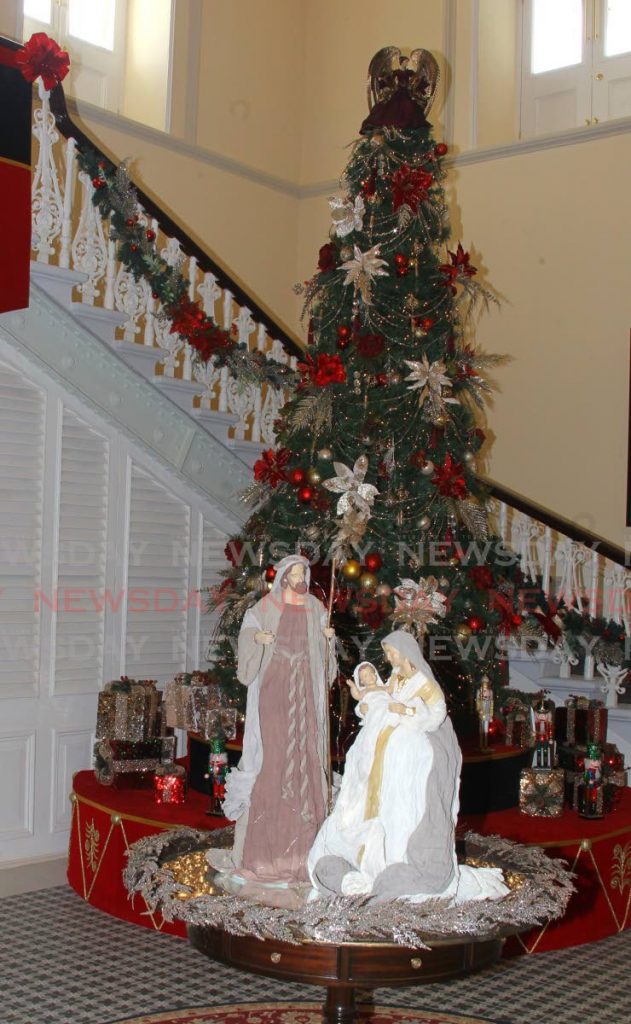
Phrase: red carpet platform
pixel 599 852
pixel 107 820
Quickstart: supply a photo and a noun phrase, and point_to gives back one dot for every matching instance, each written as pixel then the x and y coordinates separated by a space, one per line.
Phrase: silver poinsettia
pixel 347 215
pixel 432 383
pixel 356 495
pixel 362 268
pixel 418 604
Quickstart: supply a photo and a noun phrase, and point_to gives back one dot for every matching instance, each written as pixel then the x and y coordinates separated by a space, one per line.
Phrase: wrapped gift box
pixel 581 721
pixel 190 700
pixel 541 792
pixel 128 709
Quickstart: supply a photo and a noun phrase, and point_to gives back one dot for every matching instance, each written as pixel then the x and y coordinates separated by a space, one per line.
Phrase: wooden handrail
pixel 555 522
pixel 172 229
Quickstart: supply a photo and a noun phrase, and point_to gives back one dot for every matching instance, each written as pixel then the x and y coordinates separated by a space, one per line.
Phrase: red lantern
pixel 169 784
pixel 305 494
pixel 373 561
pixel 297 476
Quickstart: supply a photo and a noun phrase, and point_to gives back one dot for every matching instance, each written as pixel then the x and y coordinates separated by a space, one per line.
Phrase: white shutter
pixel 22 409
pixel 213 561
pixel 157 580
pixel 612 61
pixel 81 558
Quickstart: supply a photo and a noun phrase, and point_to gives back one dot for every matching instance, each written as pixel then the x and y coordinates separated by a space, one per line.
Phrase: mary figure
pixel 392 830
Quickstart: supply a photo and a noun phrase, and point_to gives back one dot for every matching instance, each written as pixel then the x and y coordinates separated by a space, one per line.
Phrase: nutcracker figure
pixel 484 707
pixel 216 774
pixel 543 729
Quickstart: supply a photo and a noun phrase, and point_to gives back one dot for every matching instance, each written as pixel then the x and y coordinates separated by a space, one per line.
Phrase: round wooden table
pixel 347 967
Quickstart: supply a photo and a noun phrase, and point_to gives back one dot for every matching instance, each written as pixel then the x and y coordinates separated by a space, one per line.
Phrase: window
pixel 120 51
pixel 576 64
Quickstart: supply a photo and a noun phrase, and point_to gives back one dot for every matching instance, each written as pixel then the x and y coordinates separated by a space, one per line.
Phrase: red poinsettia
pixel 410 186
pixel 449 479
pixel 327 257
pixel 271 468
pixel 370 345
pixel 510 620
pixel 459 266
pixel 41 55
pixel 481 577
pixel 326 370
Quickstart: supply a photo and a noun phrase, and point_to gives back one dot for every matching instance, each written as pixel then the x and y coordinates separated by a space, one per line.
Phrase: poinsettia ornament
pixel 418 604
pixel 350 484
pixel 362 269
pixel 347 215
pixel 271 468
pixel 431 382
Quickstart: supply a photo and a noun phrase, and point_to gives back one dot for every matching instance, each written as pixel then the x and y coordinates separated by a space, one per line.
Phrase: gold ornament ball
pixel 346 253
pixel 383 590
pixel 368 581
pixel 115 819
pixel 419 333
pixel 424 523
pixel 454 561
pixel 462 631
pixel 443 582
pixel 440 420
pixel 325 454
pixel 312 533
pixel 314 476
pixel 468 457
pixel 428 468
pixel 351 569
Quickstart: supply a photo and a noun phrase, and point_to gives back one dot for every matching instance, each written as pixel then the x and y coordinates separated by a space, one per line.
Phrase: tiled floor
pixel 63 962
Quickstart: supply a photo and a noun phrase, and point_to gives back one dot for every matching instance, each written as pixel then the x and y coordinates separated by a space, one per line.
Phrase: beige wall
pixel 148 45
pixel 283 90
pixel 9 17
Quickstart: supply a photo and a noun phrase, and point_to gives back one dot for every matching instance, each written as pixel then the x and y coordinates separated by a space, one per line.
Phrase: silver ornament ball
pixel 424 523
pixel 428 468
pixel 325 454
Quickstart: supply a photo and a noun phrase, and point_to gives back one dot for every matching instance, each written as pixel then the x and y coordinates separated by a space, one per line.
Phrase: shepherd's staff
pixel 327 690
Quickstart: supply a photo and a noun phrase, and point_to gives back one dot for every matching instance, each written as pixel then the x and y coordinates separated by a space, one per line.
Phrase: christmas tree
pixel 373 477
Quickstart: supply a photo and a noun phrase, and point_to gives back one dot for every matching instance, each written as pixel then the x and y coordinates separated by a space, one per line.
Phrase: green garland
pixel 117 200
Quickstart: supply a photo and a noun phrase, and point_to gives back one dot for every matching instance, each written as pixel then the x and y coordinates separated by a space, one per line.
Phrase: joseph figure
pixel 278 793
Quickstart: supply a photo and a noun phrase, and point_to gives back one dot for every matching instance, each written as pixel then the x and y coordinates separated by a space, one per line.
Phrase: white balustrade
pixel 68 230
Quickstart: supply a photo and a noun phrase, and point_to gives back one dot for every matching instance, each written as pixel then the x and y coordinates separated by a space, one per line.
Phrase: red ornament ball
pixel 133 247
pixel 381 379
pixel 476 623
pixel 400 259
pixel 343 331
pixel 154 295
pixel 130 222
pixel 441 149
pixel 150 235
pixel 373 561
pixel 427 323
pixel 305 495
pixel 270 573
pixel 98 182
pixel 297 476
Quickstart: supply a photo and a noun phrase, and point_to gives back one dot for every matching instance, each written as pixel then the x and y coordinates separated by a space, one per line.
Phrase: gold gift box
pixel 128 713
pixel 541 792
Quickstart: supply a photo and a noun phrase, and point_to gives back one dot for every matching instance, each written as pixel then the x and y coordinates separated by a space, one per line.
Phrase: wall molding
pixel 95 115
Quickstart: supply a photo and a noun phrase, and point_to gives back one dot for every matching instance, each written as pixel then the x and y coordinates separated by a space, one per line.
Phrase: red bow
pixel 41 55
pixel 327 370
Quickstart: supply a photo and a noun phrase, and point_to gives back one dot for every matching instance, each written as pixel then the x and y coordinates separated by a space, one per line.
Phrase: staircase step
pixel 248 451
pixel 56 282
pixel 179 391
pixel 141 358
pixel 102 322
pixel 216 423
